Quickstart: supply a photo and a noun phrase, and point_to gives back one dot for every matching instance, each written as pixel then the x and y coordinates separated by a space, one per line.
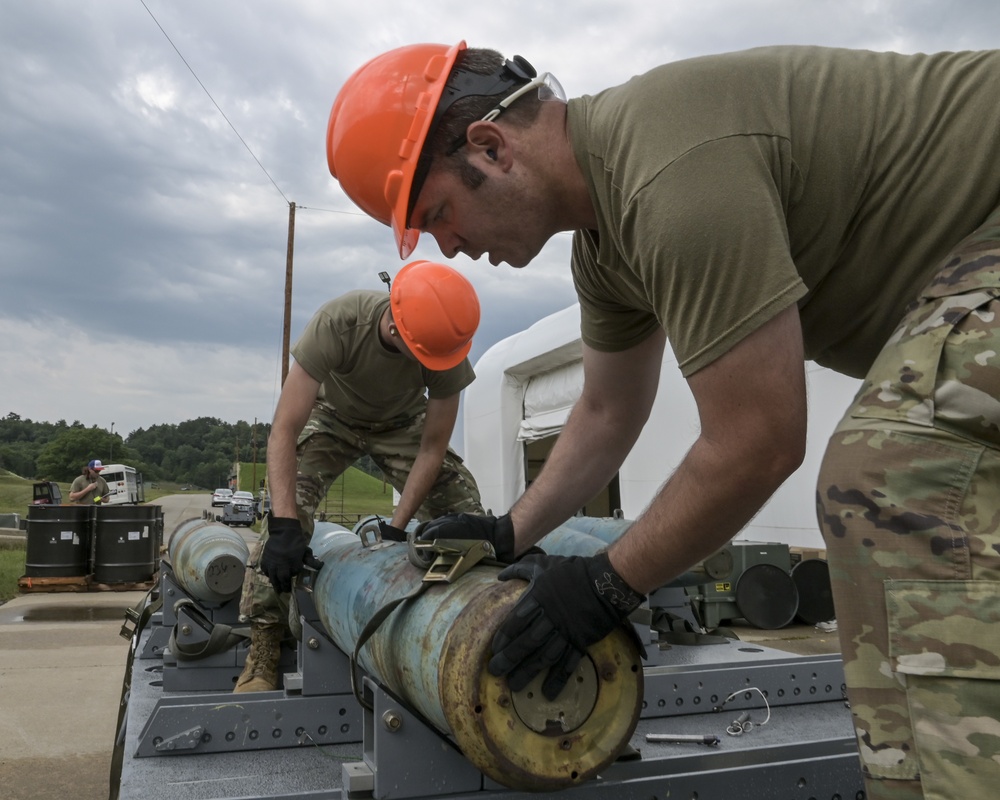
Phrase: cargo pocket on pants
pixel 901 382
pixel 944 641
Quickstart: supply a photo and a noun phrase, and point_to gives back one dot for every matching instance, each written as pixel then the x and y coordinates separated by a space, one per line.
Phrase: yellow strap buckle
pixel 446 560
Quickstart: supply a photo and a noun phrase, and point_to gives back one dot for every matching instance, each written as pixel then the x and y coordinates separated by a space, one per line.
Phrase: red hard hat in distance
pixel 378 125
pixel 436 311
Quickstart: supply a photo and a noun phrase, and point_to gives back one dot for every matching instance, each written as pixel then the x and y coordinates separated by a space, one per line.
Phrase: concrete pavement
pixel 62 663
pixel 61 668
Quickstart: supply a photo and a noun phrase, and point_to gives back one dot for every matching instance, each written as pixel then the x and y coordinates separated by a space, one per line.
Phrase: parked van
pixel 124 484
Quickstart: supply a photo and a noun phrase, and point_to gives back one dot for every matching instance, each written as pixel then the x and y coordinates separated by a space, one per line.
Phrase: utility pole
pixel 253 441
pixel 111 447
pixel 287 327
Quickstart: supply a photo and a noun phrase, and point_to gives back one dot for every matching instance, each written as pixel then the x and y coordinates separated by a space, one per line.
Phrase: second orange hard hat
pixel 436 311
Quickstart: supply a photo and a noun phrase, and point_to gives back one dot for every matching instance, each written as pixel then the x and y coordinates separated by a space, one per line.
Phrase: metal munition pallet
pixel 371 709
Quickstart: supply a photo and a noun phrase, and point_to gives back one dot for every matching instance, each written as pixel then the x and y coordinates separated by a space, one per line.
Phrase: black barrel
pixel 126 543
pixel 58 541
pixel 812 579
pixel 767 596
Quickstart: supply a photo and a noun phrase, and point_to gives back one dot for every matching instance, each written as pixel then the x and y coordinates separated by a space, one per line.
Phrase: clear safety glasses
pixel 547 84
pixel 548 87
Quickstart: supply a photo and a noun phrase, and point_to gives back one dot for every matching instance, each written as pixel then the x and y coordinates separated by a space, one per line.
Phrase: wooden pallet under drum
pixel 82 583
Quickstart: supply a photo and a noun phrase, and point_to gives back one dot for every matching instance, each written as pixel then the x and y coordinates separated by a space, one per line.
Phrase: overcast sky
pixel 142 247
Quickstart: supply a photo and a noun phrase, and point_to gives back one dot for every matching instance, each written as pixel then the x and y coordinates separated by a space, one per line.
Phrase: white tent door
pixel 548 399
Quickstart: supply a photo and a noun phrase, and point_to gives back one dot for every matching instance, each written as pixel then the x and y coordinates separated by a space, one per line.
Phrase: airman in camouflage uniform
pixel 909 504
pixel 326 448
pixel 751 209
pixel 374 374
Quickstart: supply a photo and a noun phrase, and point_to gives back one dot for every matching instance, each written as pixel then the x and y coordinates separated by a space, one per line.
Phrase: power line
pixel 202 85
pixel 332 211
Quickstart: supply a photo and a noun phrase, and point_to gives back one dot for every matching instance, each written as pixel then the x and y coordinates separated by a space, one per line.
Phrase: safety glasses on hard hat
pixel 548 87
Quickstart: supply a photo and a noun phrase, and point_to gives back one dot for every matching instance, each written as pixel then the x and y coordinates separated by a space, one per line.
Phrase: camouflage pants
pixel 909 504
pixel 326 448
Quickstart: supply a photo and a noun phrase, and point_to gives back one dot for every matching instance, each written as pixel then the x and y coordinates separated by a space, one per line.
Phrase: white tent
pixel 525 389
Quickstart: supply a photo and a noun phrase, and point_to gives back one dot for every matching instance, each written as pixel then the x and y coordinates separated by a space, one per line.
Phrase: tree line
pixel 199 452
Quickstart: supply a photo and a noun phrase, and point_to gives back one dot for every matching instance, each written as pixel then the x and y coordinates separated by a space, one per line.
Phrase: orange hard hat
pixel 436 312
pixel 378 125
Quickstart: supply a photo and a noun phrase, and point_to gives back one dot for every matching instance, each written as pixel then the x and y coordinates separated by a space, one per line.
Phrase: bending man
pixel 756 209
pixel 373 374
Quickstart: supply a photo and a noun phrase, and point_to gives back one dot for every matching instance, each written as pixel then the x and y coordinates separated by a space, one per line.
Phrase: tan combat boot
pixel 261 671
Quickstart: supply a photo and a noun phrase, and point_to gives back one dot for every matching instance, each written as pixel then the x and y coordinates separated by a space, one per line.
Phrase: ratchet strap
pixel 445 561
pixel 373 625
pixel 221 637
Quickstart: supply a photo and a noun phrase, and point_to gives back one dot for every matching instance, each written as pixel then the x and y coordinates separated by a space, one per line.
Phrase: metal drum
pixel 585 536
pixel 568 541
pixel 812 579
pixel 58 541
pixel 766 596
pixel 126 543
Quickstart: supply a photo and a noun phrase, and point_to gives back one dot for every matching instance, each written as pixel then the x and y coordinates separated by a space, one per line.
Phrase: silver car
pixel 240 510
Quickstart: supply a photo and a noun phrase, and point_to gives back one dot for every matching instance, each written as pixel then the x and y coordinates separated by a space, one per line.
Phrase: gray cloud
pixel 143 250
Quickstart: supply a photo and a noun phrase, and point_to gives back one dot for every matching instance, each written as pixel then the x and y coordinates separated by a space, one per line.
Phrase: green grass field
pixel 15 493
pixel 11 568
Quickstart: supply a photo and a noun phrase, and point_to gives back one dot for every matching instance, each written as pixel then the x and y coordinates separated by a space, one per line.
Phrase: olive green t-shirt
pixel 82 481
pixel 360 379
pixel 729 187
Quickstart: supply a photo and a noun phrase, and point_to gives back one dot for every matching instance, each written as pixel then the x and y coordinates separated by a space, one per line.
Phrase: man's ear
pixel 486 140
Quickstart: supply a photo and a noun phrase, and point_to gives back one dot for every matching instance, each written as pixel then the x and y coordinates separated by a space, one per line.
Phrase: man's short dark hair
pixel 440 145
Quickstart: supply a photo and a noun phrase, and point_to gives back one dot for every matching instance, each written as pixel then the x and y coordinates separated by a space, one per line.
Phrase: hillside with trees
pixel 198 452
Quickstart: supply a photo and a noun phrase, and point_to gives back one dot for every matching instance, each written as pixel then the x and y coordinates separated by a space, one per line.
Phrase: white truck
pixel 124 485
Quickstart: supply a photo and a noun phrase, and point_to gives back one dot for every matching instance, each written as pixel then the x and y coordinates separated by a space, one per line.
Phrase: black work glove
pixel 389 532
pixel 572 603
pixel 498 531
pixel 286 552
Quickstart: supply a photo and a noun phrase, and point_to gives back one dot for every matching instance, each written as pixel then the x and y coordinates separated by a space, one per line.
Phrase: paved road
pixel 61 668
pixel 179 507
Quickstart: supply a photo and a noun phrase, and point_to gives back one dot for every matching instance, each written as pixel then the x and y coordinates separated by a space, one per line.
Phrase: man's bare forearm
pixel 282 466
pixel 290 417
pixel 425 470
pixel 704 504
pixel 439 423
pixel 572 474
pixel 752 409
pixel 618 393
